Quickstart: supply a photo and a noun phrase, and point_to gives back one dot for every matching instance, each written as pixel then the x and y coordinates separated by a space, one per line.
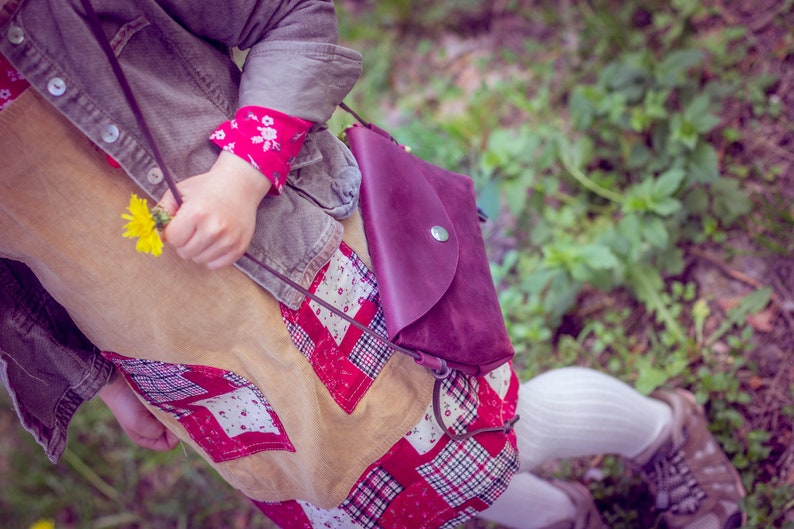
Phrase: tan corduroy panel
pixel 60 207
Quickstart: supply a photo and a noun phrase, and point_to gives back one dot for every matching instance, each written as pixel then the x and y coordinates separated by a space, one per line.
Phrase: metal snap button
pixel 110 133
pixel 439 233
pixel 15 34
pixel 154 176
pixel 56 86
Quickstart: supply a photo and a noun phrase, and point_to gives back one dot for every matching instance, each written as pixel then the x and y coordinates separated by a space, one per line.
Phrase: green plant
pixel 610 203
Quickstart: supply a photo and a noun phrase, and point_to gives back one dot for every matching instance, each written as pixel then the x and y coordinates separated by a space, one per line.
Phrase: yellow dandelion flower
pixel 142 225
pixel 43 524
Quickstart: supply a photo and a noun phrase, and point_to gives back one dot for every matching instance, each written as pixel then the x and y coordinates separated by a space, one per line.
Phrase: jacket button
pixel 110 133
pixel 56 86
pixel 15 34
pixel 154 176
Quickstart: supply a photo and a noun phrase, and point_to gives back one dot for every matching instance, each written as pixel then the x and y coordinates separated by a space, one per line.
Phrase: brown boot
pixel 695 485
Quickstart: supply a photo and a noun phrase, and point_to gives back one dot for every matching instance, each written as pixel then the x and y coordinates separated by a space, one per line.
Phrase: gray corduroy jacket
pixel 177 57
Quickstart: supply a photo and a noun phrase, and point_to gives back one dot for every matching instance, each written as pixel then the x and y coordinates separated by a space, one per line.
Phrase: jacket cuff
pixel 313 77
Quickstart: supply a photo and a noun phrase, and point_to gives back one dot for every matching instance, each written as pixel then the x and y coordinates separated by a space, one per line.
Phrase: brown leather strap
pixel 437 366
pixel 506 428
pixel 125 87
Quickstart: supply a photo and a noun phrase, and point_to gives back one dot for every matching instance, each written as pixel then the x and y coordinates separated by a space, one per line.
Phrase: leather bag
pixel 424 235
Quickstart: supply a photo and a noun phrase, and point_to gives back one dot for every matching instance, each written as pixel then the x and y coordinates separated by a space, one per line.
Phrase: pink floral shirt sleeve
pixel 12 84
pixel 267 139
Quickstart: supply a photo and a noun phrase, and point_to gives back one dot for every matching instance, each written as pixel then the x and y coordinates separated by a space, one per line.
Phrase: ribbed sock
pixel 574 411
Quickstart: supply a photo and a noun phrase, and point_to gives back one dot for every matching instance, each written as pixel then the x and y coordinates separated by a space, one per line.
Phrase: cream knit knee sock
pixel 574 411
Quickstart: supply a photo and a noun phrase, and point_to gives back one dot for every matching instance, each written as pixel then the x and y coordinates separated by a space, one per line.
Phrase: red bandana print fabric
pixel 225 414
pixel 343 357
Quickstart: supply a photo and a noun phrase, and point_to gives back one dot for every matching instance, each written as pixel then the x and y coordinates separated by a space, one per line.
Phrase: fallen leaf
pixel 727 304
pixel 755 382
pixel 763 321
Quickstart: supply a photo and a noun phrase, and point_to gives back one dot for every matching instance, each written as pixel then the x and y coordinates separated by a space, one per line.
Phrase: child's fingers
pixel 168 203
pixel 179 233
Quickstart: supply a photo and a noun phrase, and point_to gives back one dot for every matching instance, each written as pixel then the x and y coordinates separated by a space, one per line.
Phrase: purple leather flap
pixel 420 261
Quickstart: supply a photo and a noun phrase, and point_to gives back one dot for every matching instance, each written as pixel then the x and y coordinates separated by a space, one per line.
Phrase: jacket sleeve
pixel 294 62
pixel 47 365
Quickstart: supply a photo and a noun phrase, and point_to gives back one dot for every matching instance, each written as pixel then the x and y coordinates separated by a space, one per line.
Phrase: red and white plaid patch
pixel 428 480
pixel 345 359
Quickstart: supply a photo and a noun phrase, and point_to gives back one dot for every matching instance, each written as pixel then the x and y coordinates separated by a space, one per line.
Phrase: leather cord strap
pixel 96 27
pixel 437 366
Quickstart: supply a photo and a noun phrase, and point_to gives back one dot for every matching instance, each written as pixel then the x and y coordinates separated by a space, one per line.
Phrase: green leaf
pixel 687 7
pixel 506 147
pixel 683 131
pixel 582 152
pixel 696 201
pixel 629 229
pixel 639 120
pixel 671 72
pixel 536 282
pixel 598 257
pixel 655 232
pixel 638 197
pixel 702 164
pixel 666 206
pixel 730 201
pixel 705 123
pixel 580 271
pixel 700 311
pixel 489 198
pixel 558 255
pixel 627 78
pixel 648 377
pixel 697 113
pixel 668 183
pixel 515 195
pixel 639 155
pixel 753 302
pixel 655 103
pixel 648 286
pixel 670 260
pixel 583 106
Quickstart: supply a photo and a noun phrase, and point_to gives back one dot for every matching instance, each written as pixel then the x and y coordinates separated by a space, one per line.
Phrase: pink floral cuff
pixel 267 139
pixel 12 84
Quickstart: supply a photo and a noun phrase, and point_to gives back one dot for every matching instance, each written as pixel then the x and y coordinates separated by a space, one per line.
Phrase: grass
pixel 105 481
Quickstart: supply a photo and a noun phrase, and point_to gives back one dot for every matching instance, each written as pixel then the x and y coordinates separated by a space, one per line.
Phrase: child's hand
pixel 137 422
pixel 216 221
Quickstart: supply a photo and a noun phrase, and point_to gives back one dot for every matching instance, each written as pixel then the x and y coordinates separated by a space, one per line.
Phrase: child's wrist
pixel 110 390
pixel 248 179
